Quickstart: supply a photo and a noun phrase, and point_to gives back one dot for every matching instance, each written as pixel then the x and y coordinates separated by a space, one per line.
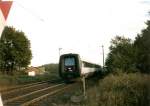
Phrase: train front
pixel 69 67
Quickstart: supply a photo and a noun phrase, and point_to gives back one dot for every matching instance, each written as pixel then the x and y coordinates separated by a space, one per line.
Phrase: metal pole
pixel 103 55
pixel 84 89
pixel 59 51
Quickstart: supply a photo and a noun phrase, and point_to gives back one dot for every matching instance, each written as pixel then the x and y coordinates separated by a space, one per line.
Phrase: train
pixel 72 67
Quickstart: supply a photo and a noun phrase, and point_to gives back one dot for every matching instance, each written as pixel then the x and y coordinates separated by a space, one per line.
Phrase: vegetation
pixel 51 69
pixel 121 56
pixel 128 82
pixel 128 63
pixel 15 52
pixel 7 81
pixel 128 56
pixel 124 87
pixel 121 90
pixel 142 45
pixel 21 77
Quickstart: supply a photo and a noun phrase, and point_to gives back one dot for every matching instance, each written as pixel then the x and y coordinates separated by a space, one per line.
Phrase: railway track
pixel 8 90
pixel 26 95
pixel 27 85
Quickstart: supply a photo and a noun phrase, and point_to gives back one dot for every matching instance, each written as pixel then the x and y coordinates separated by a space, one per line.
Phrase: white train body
pixel 71 66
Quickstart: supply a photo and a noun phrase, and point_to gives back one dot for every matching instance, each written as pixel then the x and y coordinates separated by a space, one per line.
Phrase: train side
pixel 88 69
pixel 72 67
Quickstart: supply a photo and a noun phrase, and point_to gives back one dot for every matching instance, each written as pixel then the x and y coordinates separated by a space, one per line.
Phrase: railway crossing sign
pixel 4 11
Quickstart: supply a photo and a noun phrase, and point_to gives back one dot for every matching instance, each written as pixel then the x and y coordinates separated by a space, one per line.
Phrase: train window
pixel 70 61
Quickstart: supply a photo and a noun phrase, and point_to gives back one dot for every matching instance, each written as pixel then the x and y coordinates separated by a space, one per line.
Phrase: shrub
pixel 125 90
pixel 122 90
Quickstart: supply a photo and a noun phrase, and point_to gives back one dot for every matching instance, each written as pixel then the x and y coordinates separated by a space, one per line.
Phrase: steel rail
pixel 23 88
pixel 20 86
pixel 22 96
pixel 43 96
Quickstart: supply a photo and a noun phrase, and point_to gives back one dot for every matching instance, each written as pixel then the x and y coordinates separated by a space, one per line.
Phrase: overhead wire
pixel 30 11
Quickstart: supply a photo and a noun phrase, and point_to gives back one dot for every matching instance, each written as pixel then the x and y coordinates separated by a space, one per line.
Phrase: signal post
pixel 83 85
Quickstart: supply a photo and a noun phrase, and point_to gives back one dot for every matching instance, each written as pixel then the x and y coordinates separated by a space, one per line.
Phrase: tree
pixel 15 52
pixel 142 45
pixel 121 56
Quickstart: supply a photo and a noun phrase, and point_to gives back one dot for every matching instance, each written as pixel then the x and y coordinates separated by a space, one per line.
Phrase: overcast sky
pixel 77 26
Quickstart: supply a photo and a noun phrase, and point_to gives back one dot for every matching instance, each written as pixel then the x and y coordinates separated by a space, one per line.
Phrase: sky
pixel 76 26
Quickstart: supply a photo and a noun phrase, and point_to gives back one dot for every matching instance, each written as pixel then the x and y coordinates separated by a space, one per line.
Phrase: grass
pixel 7 81
pixel 121 90
pixel 113 90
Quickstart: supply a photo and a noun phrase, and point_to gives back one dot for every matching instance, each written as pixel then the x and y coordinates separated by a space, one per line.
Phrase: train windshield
pixel 70 61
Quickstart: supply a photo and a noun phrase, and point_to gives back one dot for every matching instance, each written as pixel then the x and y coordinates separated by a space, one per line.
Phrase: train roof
pixel 70 54
pixel 90 63
pixel 75 54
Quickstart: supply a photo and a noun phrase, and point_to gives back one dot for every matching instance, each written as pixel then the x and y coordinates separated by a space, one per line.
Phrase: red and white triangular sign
pixel 4 11
pixel 5 7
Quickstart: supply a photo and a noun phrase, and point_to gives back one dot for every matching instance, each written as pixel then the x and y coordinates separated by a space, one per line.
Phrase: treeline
pixel 126 85
pixel 130 56
pixel 51 68
pixel 15 52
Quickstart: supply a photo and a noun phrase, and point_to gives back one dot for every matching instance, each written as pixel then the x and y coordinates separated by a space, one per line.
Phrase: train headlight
pixel 69 69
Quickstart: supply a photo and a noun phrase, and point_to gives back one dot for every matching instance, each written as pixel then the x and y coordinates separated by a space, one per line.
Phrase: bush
pixel 122 90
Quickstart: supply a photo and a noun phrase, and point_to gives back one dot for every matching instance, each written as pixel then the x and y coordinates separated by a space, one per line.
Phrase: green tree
pixel 15 52
pixel 142 45
pixel 51 68
pixel 121 56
